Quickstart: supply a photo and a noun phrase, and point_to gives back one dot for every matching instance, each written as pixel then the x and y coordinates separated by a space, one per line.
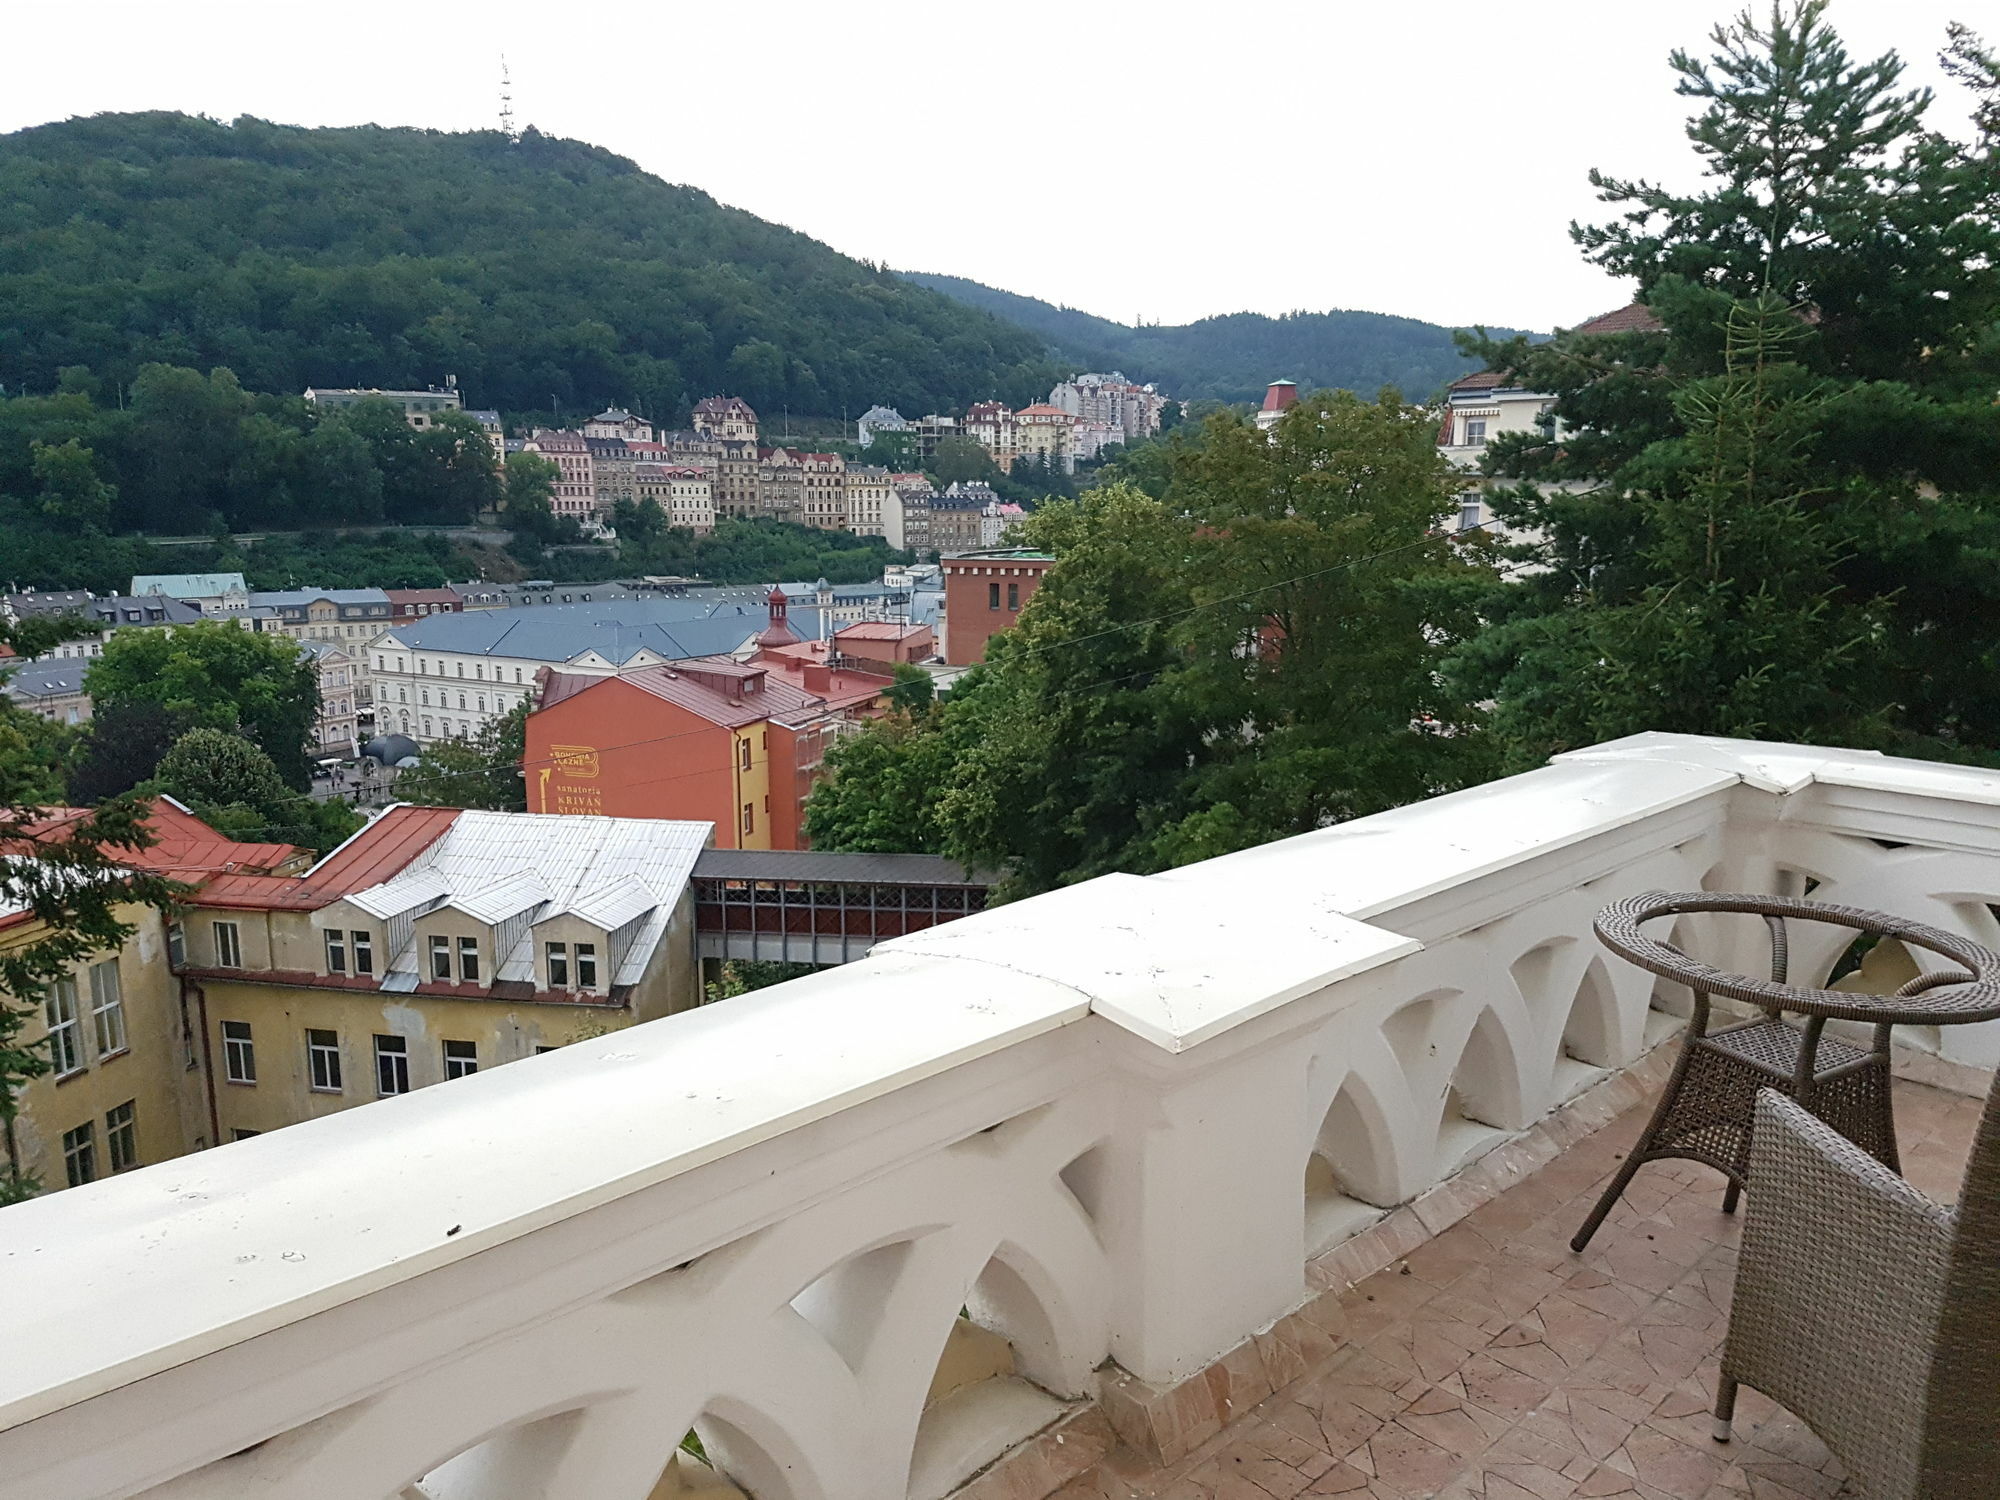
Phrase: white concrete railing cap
pixel 1377 864
pixel 208 1250
pixel 1175 963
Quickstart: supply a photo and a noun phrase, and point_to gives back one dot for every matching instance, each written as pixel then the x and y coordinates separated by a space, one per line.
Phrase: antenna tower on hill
pixel 506 101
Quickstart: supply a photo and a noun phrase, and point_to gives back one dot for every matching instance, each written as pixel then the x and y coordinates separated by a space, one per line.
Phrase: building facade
pixel 575 490
pixel 958 517
pixel 984 594
pixel 420 408
pixel 211 593
pixel 112 614
pixel 341 702
pixel 1044 433
pixel 866 499
pixel 906 513
pixel 736 744
pixel 1118 409
pixel 51 688
pixel 685 494
pixel 823 491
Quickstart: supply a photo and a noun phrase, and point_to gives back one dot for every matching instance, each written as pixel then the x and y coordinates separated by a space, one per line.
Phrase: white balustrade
pixel 1111 1122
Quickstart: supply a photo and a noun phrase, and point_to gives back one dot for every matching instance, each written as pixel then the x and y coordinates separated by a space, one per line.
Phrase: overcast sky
pixel 1162 161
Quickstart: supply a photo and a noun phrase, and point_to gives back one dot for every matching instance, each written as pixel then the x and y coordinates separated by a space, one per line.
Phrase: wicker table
pixel 1705 1112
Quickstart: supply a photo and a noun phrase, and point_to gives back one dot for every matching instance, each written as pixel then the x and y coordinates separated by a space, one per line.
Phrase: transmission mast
pixel 506 101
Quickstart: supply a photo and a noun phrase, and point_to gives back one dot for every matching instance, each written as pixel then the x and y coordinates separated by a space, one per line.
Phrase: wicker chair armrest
pixel 1838 1287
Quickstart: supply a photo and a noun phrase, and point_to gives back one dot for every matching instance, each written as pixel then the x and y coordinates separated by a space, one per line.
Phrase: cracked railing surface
pixel 1108 1123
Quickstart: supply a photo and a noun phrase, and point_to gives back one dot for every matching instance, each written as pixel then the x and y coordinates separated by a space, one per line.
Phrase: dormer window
pixel 586 966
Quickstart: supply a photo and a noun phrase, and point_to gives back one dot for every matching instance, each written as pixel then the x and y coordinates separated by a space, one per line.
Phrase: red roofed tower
pixel 777 633
pixel 1279 397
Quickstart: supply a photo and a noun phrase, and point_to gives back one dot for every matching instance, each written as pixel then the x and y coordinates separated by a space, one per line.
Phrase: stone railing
pixel 1066 1161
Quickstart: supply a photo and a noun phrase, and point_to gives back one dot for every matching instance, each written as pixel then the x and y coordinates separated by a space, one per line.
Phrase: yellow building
pixel 433 944
pixel 430 945
pixel 126 1084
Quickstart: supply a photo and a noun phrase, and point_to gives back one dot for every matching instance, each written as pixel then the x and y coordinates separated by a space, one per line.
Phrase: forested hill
pixel 1233 357
pixel 536 270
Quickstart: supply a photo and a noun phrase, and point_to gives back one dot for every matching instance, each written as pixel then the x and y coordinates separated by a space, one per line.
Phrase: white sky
pixel 1166 160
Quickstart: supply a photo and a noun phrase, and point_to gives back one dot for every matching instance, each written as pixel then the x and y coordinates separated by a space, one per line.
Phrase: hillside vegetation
pixel 1233 357
pixel 538 272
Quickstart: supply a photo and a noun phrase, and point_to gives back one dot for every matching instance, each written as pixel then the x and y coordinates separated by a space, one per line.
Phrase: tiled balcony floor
pixel 1495 1363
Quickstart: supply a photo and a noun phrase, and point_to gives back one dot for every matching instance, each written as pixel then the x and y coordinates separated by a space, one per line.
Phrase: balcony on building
pixel 1254 1177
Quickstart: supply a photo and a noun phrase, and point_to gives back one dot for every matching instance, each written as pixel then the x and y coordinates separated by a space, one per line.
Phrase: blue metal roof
pixel 617 629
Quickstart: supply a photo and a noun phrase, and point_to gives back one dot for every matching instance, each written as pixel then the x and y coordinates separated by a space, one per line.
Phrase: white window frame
pixel 228 945
pixel 107 1009
pixel 59 1013
pixel 555 959
pixel 392 1066
pixel 323 1061
pixel 239 1053
pixel 462 1063
pixel 363 943
pixel 586 966
pixel 440 957
pixel 468 960
pixel 336 951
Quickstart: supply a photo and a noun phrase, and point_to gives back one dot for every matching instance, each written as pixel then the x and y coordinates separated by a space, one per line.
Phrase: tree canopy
pixel 547 275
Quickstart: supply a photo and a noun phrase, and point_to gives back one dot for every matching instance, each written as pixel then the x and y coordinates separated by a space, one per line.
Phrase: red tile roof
pixel 1479 380
pixel 1041 410
pixel 1634 317
pixel 732 693
pixel 877 630
pixel 380 849
pixel 1281 394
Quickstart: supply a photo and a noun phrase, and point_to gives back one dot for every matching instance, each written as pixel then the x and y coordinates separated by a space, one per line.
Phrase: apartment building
pixel 1124 411
pixel 355 616
pixel 823 491
pixel 122 1035
pixel 906 513
pixel 420 408
pixel 685 493
pixel 729 743
pixel 1043 433
pixel 211 593
pixel 51 688
pixel 866 488
pixel 957 517
pixel 112 614
pixel 342 701
pixel 433 944
pixel 616 422
pixel 728 423
pixel 449 676
pixel 991 424
pixel 780 484
pixel 576 484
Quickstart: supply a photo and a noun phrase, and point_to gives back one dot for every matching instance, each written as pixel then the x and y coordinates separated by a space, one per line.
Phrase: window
pixel 392 1066
pixel 480 703
pixel 749 821
pixel 1469 516
pixel 80 1154
pixel 461 700
pixel 364 953
pixel 239 1053
pixel 558 963
pixel 743 754
pixel 586 966
pixel 121 1135
pixel 992 596
pixel 1013 596
pixel 336 951
pixel 228 946
pixel 107 1007
pixel 440 958
pixel 243 1135
pixel 468 960
pixel 323 1061
pixel 460 1059
pixel 177 944
pixel 65 1036
pixel 1475 432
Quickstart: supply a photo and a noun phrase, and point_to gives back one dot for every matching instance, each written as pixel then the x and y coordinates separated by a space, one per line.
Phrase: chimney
pixel 819 680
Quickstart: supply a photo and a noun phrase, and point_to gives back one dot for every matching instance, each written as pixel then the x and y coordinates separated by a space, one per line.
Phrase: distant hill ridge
pixel 541 272
pixel 1234 356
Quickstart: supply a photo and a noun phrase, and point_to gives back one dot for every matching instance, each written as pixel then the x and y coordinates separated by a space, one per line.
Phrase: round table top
pixel 1971 992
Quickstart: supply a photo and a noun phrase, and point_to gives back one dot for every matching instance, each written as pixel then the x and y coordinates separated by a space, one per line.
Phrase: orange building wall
pixel 970 621
pixel 617 751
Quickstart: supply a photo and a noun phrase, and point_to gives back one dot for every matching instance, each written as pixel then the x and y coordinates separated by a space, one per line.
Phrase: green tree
pixel 957 460
pixel 219 676
pixel 483 771
pixel 528 479
pixel 912 689
pixel 71 497
pixel 1824 190
pixel 122 747
pixel 231 784
pixel 75 882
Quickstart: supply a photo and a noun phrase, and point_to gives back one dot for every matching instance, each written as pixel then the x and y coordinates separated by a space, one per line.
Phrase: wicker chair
pixel 1869 1311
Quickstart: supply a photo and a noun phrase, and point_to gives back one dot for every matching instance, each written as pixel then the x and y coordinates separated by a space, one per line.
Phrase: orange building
pixel 712 739
pixel 984 593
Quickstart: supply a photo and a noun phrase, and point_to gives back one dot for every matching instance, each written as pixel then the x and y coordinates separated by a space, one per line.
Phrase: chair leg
pixel 1725 1409
pixel 1729 1198
pixel 1633 1161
